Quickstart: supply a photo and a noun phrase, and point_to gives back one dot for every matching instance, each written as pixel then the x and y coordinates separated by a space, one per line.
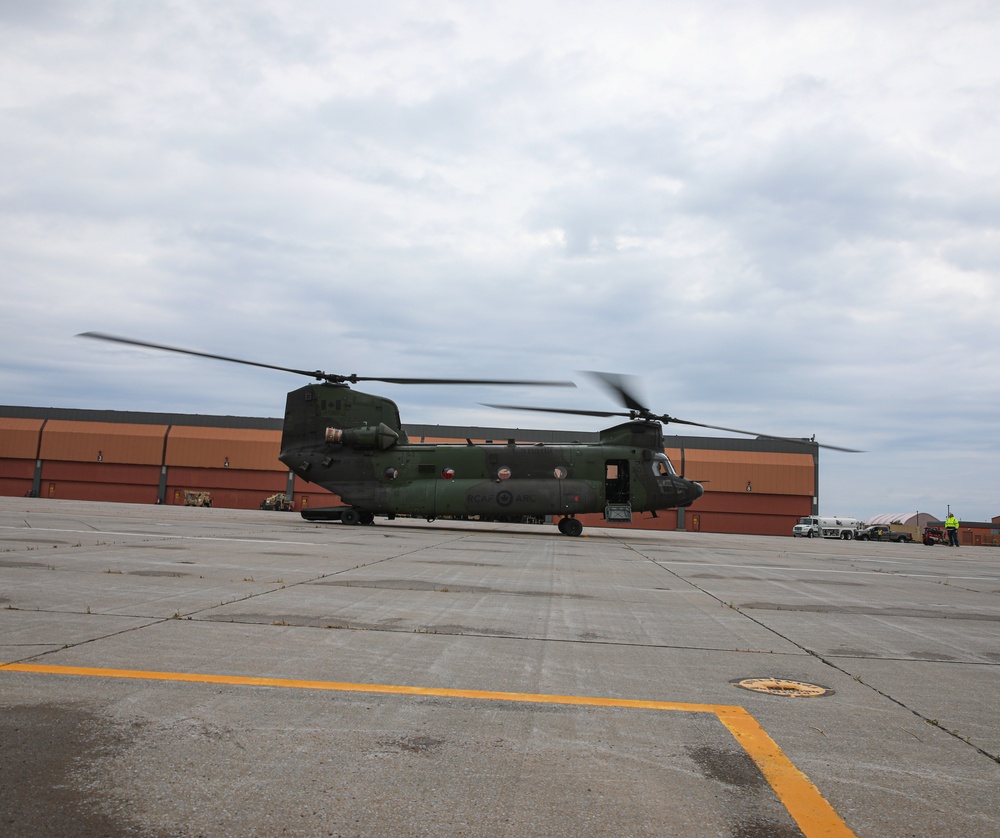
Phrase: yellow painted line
pixel 810 810
pixel 795 790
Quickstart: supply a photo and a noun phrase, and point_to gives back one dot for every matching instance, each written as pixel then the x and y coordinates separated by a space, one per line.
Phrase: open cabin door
pixel 617 495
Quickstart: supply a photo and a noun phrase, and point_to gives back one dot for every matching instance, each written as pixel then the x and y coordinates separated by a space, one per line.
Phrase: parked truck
pixel 197 498
pixel 815 526
pixel 279 502
pixel 883 532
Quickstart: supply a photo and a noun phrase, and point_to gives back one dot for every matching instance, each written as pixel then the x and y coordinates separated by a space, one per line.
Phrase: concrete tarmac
pixel 184 671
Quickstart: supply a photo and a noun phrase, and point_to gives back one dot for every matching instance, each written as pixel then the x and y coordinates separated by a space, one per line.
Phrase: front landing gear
pixel 570 526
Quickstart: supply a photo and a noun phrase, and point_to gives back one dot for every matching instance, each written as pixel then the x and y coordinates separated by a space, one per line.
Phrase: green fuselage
pixel 368 461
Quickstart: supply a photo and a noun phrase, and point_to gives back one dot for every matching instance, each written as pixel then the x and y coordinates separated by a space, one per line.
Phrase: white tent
pixel 907 519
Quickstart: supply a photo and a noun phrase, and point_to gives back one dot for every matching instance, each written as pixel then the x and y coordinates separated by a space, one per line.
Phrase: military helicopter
pixel 353 444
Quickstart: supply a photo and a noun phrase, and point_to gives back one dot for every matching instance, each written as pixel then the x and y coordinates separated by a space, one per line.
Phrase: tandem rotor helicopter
pixel 353 444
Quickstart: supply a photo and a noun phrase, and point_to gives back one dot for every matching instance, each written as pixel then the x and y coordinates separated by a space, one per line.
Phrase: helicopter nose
pixel 692 491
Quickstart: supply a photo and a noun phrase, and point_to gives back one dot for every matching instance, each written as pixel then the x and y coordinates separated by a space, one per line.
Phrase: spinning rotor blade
pixel 618 386
pixel 667 419
pixel 132 342
pixel 624 386
pixel 623 389
pixel 504 382
pixel 319 375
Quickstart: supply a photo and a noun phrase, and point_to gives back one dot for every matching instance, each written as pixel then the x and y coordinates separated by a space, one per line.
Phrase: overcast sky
pixel 783 216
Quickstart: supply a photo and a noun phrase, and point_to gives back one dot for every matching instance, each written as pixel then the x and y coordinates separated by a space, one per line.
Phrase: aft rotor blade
pixel 333 378
pixel 499 381
pixel 144 343
pixel 671 419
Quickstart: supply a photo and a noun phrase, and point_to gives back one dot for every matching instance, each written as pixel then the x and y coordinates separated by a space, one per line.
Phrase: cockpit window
pixel 662 467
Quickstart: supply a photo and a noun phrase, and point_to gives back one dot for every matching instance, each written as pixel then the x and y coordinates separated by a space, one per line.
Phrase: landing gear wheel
pixel 366 518
pixel 570 526
pixel 350 517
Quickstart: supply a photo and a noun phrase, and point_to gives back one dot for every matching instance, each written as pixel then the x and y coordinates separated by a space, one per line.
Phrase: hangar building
pixel 753 486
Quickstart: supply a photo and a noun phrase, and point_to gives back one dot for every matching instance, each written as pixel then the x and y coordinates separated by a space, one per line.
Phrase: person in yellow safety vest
pixel 951 525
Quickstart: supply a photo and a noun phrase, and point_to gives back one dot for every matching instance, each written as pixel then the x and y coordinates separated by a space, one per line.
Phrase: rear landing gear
pixel 357 516
pixel 570 526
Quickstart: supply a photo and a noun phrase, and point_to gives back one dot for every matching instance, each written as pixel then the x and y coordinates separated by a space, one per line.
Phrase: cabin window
pixel 391 473
pixel 560 472
pixel 662 467
pixel 447 473
pixel 503 473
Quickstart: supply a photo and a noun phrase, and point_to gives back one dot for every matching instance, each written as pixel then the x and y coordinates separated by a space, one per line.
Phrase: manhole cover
pixel 780 686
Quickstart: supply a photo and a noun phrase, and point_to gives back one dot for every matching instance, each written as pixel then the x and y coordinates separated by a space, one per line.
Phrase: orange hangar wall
pixel 751 486
pixel 239 467
pixel 127 457
pixel 80 460
pixel 752 492
pixel 19 441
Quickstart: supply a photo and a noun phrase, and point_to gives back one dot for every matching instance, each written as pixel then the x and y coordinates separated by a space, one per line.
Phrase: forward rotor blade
pixel 622 387
pixel 671 419
pixel 333 378
pixel 666 420
pixel 556 410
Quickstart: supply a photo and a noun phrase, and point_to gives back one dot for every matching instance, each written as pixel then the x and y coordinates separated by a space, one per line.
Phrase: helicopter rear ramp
pixel 324 513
